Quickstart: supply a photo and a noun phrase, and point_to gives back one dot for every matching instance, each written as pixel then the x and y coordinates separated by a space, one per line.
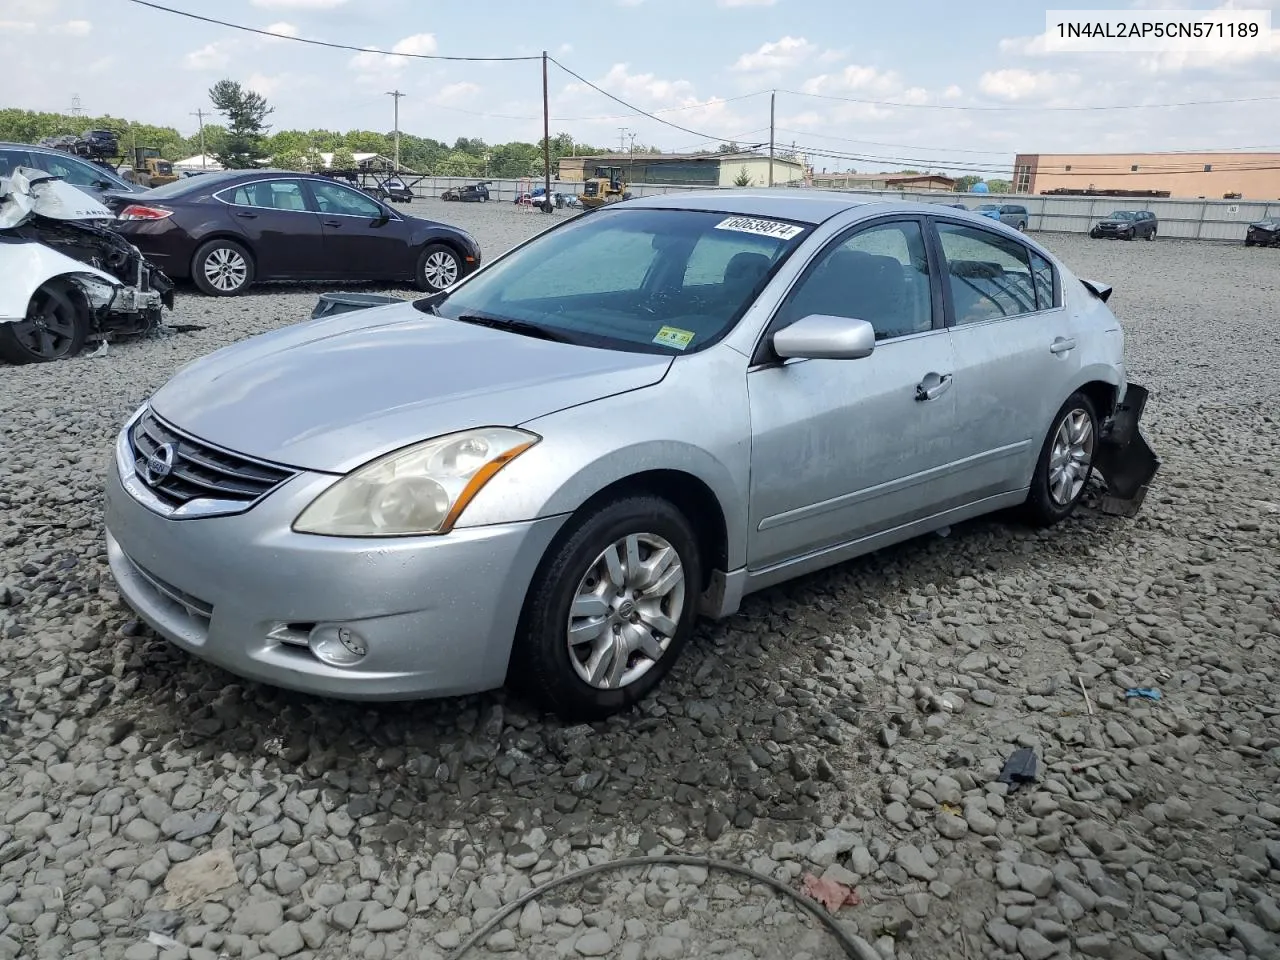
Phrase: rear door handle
pixel 1062 345
pixel 933 386
pixel 247 215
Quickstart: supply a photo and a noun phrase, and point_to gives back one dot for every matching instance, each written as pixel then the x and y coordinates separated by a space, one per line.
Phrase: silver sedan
pixel 545 473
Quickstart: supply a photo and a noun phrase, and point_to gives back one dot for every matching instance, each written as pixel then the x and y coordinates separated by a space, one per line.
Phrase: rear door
pixel 362 239
pixel 273 216
pixel 1015 352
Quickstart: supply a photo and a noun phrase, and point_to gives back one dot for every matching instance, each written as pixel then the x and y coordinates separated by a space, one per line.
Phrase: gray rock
pixel 1035 880
pixel 1268 914
pixel 1096 944
pixel 258 918
pixel 910 859
pixel 285 940
pixel 1152 945
pixel 950 826
pixel 1004 935
pixel 1256 940
pixel 530 919
pixel 346 915
pixel 1034 946
pixel 388 920
pixel 504 941
pixel 594 943
pixel 289 878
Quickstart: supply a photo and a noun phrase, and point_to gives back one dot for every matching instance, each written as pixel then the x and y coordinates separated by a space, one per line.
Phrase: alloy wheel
pixel 47 331
pixel 226 269
pixel 625 611
pixel 441 269
pixel 1071 458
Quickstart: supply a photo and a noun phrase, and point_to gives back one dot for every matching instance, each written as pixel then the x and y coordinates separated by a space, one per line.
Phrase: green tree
pixel 1000 186
pixel 963 184
pixel 290 160
pixel 743 179
pixel 343 159
pixel 246 112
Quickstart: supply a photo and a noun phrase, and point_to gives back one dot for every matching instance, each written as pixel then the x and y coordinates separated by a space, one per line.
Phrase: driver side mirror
pixel 823 337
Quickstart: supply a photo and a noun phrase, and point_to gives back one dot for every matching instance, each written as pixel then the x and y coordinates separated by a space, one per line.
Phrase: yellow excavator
pixel 607 186
pixel 149 170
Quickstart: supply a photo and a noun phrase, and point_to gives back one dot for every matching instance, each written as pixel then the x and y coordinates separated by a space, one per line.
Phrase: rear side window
pixel 1046 288
pixel 989 275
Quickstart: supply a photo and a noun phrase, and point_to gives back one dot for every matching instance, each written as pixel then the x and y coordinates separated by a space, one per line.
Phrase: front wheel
pixel 1152 234
pixel 438 268
pixel 222 268
pixel 54 328
pixel 609 610
pixel 1066 461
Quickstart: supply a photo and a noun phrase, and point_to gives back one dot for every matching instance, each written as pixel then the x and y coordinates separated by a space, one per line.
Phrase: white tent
pixel 198 162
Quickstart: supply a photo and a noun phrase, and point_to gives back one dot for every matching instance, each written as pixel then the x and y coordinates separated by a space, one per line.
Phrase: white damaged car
pixel 65 276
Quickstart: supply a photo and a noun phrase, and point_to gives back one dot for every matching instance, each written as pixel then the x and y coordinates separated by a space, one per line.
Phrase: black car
pixel 226 230
pixel 1126 225
pixel 1263 233
pixel 394 190
pixel 99 144
pixel 472 193
pixel 89 177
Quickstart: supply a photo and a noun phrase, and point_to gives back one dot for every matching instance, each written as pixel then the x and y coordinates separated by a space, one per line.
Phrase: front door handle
pixel 333 223
pixel 1062 345
pixel 933 386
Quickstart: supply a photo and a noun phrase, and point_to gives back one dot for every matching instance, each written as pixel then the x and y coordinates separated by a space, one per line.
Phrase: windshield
pixel 1120 215
pixel 649 281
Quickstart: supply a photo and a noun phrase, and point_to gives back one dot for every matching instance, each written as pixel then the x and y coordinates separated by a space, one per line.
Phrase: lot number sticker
pixel 761 228
pixel 674 337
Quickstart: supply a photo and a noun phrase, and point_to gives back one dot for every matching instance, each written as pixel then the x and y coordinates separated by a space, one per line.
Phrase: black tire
pixel 55 327
pixel 1042 508
pixel 541 662
pixel 222 268
pixel 1248 242
pixel 1152 234
pixel 432 274
pixel 1131 235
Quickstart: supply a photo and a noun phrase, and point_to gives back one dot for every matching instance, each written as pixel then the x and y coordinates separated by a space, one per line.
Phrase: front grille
pixel 198 471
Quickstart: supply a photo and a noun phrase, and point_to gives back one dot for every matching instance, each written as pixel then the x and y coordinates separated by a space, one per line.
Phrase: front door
pixel 360 238
pixel 842 449
pixel 284 235
pixel 1015 353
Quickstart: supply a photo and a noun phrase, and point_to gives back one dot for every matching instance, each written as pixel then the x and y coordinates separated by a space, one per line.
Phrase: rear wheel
pixel 438 268
pixel 1152 234
pixel 609 610
pixel 1066 461
pixel 222 268
pixel 54 328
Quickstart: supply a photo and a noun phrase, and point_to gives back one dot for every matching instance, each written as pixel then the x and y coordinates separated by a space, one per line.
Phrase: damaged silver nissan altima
pixel 546 471
pixel 65 276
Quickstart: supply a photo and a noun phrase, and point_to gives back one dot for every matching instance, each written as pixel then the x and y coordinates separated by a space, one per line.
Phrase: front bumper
pixel 435 615
pixel 1124 458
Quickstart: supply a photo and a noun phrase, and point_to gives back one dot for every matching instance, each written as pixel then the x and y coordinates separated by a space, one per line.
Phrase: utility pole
pixel 546 140
pixel 200 113
pixel 76 109
pixel 631 172
pixel 773 95
pixel 622 139
pixel 396 94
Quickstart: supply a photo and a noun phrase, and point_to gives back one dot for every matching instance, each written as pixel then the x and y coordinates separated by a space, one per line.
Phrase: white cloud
pixel 282 29
pixel 419 43
pixel 17 26
pixel 74 28
pixel 298 4
pixel 1018 84
pixel 454 93
pixel 211 56
pixel 266 84
pixel 564 48
pixel 952 92
pixel 782 55
pixel 855 79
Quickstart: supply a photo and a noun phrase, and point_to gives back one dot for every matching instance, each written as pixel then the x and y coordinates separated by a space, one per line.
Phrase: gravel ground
pixel 851 725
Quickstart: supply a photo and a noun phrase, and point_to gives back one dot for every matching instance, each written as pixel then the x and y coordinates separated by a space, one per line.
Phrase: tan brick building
pixel 1211 176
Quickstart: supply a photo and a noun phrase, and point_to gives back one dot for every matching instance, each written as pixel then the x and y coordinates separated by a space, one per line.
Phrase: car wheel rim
pixel 1071 458
pixel 626 611
pixel 46 332
pixel 225 269
pixel 441 269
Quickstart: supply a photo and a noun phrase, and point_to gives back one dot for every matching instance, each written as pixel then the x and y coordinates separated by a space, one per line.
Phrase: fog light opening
pixel 337 645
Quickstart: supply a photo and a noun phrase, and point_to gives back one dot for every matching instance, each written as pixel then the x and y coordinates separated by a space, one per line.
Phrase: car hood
pixel 332 394
pixel 1266 224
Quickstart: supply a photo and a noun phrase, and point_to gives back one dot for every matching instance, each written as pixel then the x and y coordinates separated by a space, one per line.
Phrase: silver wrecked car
pixel 545 472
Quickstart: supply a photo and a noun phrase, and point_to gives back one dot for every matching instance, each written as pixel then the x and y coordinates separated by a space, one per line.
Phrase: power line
pixel 1037 109
pixel 323 43
pixel 615 116
pixel 632 106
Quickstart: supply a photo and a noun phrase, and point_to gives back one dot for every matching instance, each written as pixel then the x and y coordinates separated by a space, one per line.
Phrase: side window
pixel 72 171
pixel 10 160
pixel 1043 272
pixel 336 199
pixel 989 275
pixel 879 274
pixel 269 195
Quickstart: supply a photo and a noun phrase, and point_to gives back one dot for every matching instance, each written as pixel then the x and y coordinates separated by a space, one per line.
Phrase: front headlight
pixel 416 491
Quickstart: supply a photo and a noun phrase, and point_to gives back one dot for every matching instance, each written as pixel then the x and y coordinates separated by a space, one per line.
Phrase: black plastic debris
pixel 1020 768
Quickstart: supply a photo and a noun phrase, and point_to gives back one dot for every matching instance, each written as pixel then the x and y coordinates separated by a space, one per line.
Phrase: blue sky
pixel 699 63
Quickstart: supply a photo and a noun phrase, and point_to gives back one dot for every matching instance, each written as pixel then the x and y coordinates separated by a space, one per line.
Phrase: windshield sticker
pixel 674 337
pixel 761 228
